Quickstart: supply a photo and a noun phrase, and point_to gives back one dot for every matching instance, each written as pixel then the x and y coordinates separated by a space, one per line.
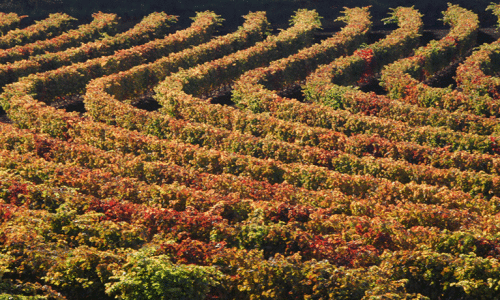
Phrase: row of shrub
pixel 311 177
pixel 367 61
pixel 349 244
pixel 341 163
pixel 188 107
pixel 51 85
pixel 22 193
pixel 351 99
pixel 53 25
pixel 102 257
pixel 483 188
pixel 360 134
pixel 434 56
pixel 128 215
pixel 322 86
pixel 143 165
pixel 317 126
pixel 9 21
pixel 115 113
pixel 121 85
pixel 401 79
pixel 153 26
pixel 95 231
pixel 476 75
pixel 272 174
pixel 140 79
pixel 275 228
pixel 69 80
pixel 204 77
pixel 102 25
pixel 249 89
pixel 146 167
pixel 79 74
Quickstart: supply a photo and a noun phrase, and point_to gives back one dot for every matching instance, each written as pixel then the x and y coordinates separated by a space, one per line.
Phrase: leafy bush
pixel 146 276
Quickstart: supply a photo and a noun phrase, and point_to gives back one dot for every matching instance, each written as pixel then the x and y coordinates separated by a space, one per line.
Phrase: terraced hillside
pixel 154 163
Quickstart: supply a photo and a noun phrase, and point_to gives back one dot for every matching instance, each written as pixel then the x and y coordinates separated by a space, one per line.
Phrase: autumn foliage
pixel 341 194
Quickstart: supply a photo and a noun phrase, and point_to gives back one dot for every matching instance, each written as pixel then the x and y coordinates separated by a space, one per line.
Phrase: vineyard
pixel 157 163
